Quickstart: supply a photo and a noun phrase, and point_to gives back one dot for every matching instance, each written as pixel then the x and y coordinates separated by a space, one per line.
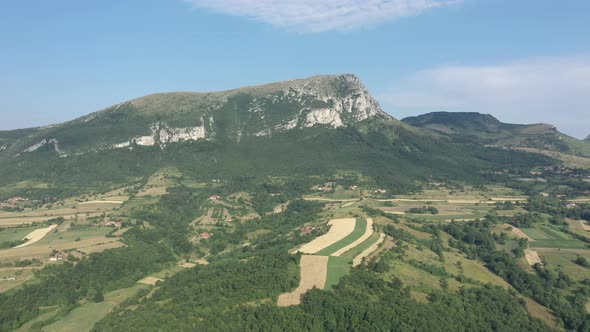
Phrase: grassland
pixel 548 237
pixel 338 267
pixel 84 317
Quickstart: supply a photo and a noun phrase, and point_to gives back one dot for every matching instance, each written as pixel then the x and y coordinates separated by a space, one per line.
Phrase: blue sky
pixel 523 61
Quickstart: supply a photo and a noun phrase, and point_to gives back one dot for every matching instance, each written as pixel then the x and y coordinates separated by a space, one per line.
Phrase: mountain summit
pixel 164 118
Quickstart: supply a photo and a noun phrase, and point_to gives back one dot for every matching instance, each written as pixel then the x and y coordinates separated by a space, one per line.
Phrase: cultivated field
pixel 532 257
pixel 519 233
pixel 339 229
pixel 313 274
pixel 149 281
pixel 367 234
pixel 36 235
pixel 359 258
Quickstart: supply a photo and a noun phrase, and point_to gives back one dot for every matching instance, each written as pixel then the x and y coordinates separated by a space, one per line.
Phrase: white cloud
pixel 321 15
pixel 553 90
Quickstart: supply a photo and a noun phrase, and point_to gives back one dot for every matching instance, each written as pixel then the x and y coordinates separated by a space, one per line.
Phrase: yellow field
pixel 339 229
pixel 314 270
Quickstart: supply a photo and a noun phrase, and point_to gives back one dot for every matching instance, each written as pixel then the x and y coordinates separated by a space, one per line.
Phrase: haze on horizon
pixel 523 62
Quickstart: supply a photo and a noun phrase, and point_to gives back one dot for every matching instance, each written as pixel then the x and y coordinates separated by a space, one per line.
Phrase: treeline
pixel 361 302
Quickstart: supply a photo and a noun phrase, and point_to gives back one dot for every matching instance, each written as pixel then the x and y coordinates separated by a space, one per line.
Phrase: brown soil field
pixel 314 270
pixel 339 229
pixel 584 225
pixel 532 257
pixel 519 233
pixel 365 236
pixel 359 258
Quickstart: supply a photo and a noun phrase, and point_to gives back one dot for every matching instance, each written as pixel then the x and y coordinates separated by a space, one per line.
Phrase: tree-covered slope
pixel 315 126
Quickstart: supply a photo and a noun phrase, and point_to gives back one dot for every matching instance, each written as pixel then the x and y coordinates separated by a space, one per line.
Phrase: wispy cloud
pixel 554 90
pixel 321 15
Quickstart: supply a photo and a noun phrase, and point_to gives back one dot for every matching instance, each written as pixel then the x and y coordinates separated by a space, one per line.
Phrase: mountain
pixel 164 118
pixel 486 129
pixel 318 126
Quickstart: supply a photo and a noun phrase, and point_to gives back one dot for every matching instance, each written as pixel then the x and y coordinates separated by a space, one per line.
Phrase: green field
pixel 536 234
pixel 548 237
pixel 338 267
pixel 564 260
pixel 352 253
pixel 16 233
pixel 359 229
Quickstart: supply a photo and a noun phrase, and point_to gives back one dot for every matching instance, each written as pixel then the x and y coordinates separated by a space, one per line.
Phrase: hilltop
pixel 486 129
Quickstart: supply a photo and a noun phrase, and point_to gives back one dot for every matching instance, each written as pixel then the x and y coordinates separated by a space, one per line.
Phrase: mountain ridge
pixel 164 118
pixel 486 129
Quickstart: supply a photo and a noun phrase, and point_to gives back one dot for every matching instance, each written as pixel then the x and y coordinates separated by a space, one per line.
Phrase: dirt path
pixel 585 225
pixel 359 258
pixel 331 199
pixel 339 229
pixel 36 236
pixel 532 257
pixel 314 270
pixel 365 236
pixel 102 202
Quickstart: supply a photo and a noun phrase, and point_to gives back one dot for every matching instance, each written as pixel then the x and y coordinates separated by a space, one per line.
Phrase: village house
pixel 205 235
pixel 306 230
pixel 380 191
pixel 214 197
pixel 114 224
pixel 57 257
pixel 14 200
pixel 353 187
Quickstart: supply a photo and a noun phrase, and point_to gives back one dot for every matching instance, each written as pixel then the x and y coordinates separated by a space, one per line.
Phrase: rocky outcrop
pixel 42 143
pixel 161 135
pixel 264 110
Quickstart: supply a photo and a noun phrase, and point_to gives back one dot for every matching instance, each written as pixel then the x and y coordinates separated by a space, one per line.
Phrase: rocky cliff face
pixel 167 118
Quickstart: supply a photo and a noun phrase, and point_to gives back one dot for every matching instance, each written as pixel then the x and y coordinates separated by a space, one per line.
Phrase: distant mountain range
pixel 486 129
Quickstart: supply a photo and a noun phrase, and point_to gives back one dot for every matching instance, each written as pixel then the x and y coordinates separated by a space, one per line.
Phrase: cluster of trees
pixel 476 240
pixel 423 210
